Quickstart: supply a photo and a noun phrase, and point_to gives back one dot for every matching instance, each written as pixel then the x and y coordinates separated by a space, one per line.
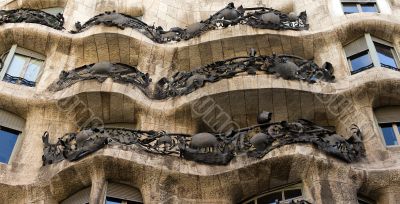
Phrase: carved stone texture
pixel 182 83
pixel 210 148
pixel 120 73
pixel 259 17
pixel 32 16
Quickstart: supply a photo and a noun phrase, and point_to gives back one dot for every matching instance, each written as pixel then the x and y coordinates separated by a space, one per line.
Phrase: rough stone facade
pixel 350 99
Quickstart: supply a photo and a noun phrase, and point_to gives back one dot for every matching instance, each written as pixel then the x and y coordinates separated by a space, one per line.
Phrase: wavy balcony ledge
pixel 378 80
pixel 378 75
pixel 258 17
pixel 288 67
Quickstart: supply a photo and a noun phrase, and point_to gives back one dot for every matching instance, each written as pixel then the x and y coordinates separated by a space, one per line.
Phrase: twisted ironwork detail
pixel 288 67
pixel 118 72
pixel 258 17
pixel 210 148
pixel 25 15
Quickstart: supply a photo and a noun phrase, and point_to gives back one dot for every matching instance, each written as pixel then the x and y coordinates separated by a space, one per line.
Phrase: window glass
pixel 388 134
pixel 16 65
pixel 369 7
pixel 293 193
pixel 270 198
pixel 23 70
pixel 110 200
pixel 32 72
pixel 361 61
pixel 132 202
pixel 349 8
pixel 385 55
pixel 8 138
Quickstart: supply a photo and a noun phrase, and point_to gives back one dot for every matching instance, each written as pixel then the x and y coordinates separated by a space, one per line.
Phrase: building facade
pixel 161 101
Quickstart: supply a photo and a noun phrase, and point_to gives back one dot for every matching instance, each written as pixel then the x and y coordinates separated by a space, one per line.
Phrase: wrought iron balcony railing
pixel 210 148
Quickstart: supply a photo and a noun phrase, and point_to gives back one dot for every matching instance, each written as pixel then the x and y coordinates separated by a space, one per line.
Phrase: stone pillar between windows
pixel 389 195
pixel 168 188
pixel 98 189
pixel 331 192
pixel 329 183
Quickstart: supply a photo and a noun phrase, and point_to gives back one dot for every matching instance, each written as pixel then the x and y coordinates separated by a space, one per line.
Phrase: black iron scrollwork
pixel 182 83
pixel 286 66
pixel 259 17
pixel 32 16
pixel 210 148
pixel 120 73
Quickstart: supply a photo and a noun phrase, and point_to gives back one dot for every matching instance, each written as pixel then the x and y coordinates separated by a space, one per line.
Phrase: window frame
pixel 24 52
pixel 12 155
pixel 359 7
pixel 281 189
pixel 18 124
pixel 373 53
pixel 362 68
pixel 392 49
pixel 387 115
pixel 396 133
pixel 116 192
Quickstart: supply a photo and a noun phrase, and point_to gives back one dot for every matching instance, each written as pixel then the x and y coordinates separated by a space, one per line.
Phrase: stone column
pixel 331 182
pixel 98 189
pixel 389 195
pixel 331 192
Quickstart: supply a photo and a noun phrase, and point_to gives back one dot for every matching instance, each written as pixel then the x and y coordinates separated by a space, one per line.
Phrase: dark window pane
pixel 385 55
pixel 294 193
pixel 133 202
pixel 370 7
pixel 361 61
pixel 388 134
pixel 110 200
pixel 349 8
pixel 8 138
pixel 271 198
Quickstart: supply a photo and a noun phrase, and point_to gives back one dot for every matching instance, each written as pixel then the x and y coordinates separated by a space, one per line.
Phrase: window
pixel 54 10
pixel 22 66
pixel 11 127
pixel 388 119
pixel 349 8
pixel 361 61
pixel 283 195
pixel 354 6
pixel 8 138
pixel 80 197
pixel 367 52
pixel 118 193
pixel 390 133
pixel 110 200
pixel 386 55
